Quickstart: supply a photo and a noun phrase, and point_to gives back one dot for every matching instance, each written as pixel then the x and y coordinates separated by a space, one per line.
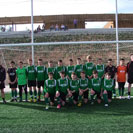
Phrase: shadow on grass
pixel 116 108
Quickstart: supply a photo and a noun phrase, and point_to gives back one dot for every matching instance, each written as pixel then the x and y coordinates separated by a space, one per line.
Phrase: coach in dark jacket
pixel 130 75
pixel 2 82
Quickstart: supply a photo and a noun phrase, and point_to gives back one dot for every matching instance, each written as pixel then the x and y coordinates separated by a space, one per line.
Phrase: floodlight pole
pixel 117 35
pixel 32 31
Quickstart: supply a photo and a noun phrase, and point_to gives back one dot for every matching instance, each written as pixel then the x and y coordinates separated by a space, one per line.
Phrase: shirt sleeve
pixel 57 85
pixel 3 75
pixel 45 87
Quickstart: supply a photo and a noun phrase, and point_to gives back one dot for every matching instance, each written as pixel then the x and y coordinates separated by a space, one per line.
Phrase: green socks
pixel 92 98
pixel 80 98
pixel 122 91
pixel 35 93
pixel 105 97
pixel 31 94
pixel 46 101
pixel 58 100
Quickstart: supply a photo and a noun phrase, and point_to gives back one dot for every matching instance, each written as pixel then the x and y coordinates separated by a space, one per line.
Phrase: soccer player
pixel 130 75
pixel 89 67
pixel 79 68
pixel 22 80
pixel 63 87
pixel 12 77
pixel 60 68
pixel 110 68
pixel 74 87
pixel 41 77
pixel 96 87
pixel 31 75
pixel 50 87
pixel 2 82
pixel 100 68
pixel 70 68
pixel 52 69
pixel 121 77
pixel 84 87
pixel 108 86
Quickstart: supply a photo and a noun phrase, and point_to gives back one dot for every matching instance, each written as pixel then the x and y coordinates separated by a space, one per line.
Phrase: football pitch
pixel 33 118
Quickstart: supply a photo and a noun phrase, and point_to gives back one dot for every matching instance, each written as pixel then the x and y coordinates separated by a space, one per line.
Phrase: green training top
pixel 70 69
pixel 84 83
pixel 41 73
pixel 96 84
pixel 63 85
pixel 58 70
pixel 31 72
pixel 74 85
pixel 79 69
pixel 108 84
pixel 21 76
pixel 89 68
pixel 50 86
pixel 100 69
pixel 53 70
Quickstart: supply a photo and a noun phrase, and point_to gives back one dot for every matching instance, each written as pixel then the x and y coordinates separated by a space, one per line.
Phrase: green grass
pixel 32 117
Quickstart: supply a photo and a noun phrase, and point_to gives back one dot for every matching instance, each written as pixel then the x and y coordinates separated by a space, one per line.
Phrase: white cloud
pixel 46 7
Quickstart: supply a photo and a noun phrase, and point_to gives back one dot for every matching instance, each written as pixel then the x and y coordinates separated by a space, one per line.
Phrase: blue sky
pixel 54 7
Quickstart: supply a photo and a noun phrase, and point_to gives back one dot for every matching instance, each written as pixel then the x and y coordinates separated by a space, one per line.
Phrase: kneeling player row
pixel 76 89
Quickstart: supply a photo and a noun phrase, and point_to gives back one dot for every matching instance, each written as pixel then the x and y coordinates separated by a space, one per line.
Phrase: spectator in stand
pixel 56 27
pixel 39 28
pixel 75 22
pixel 43 26
pixel 62 27
pixel 51 27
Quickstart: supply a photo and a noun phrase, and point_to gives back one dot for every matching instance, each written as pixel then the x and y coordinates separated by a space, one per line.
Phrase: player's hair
pixel 108 73
pixel 95 72
pixel 73 73
pixel 122 59
pixel 71 60
pixel 88 57
pixel 39 59
pixel 29 59
pixel 78 58
pixel 60 61
pixel 99 58
pixel 82 72
pixel 131 54
pixel 21 62
pixel 110 59
pixel 12 62
pixel 50 61
pixel 62 72
pixel 50 73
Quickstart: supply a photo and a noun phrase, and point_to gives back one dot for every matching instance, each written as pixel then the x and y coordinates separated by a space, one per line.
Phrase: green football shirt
pixel 31 72
pixel 79 69
pixel 58 70
pixel 84 83
pixel 53 70
pixel 21 76
pixel 50 86
pixel 63 85
pixel 70 69
pixel 74 85
pixel 96 84
pixel 100 69
pixel 89 68
pixel 108 84
pixel 41 73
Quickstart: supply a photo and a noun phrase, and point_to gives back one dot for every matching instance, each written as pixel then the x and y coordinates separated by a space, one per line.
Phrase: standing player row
pixel 40 73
